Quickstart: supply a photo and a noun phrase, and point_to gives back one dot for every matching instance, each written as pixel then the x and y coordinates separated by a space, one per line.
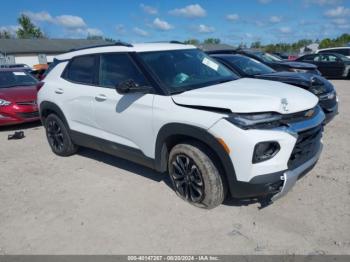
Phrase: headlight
pixel 247 121
pixel 4 102
pixel 329 96
pixel 298 70
pixel 317 86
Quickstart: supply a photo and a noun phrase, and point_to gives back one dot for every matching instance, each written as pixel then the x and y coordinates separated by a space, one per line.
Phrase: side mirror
pixel 130 86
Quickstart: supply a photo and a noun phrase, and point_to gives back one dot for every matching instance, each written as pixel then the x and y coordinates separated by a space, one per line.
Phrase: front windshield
pixel 183 70
pixel 249 66
pixel 16 78
pixel 266 57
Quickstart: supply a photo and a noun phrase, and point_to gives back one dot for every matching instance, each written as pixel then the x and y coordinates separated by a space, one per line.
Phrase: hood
pixel 298 79
pixel 304 80
pixel 249 96
pixel 298 65
pixel 19 93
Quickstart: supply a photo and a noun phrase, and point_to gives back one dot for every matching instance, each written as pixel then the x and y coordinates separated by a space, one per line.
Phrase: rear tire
pixel 194 176
pixel 58 136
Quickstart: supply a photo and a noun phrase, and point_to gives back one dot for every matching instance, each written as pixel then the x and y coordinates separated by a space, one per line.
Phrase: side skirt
pixel 115 149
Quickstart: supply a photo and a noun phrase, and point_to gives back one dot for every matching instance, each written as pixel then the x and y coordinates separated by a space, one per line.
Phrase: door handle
pixel 100 98
pixel 59 91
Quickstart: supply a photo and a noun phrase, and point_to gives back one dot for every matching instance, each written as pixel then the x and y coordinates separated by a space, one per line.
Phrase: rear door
pixel 331 65
pixel 77 93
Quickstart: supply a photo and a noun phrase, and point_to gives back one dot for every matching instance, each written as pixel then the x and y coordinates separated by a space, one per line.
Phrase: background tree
pixel 325 43
pixel 192 42
pixel 4 34
pixel 94 37
pixel 27 29
pixel 109 39
pixel 256 45
pixel 242 45
pixel 212 41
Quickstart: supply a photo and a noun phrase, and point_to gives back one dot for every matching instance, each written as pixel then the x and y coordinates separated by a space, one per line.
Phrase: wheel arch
pixel 47 108
pixel 175 133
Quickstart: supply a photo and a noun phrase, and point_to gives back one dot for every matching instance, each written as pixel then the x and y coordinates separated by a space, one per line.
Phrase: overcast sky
pixel 232 21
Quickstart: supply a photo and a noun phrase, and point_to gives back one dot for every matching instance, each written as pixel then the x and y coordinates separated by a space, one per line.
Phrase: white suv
pixel 173 108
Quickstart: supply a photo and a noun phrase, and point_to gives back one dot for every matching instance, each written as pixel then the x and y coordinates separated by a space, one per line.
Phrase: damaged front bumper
pixel 290 177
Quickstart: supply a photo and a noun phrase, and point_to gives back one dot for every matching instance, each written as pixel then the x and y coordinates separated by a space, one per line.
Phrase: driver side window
pixel 116 68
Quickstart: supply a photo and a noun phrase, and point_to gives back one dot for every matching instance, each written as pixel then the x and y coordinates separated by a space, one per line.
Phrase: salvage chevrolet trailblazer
pixel 171 107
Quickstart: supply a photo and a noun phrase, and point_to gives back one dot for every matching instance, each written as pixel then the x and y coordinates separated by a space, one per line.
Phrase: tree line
pixel 28 30
pixel 342 40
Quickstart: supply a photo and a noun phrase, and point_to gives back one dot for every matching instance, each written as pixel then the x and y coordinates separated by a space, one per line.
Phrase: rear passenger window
pixel 317 58
pixel 82 70
pixel 116 68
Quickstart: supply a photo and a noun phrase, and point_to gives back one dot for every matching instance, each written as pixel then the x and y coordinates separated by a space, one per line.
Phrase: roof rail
pixel 176 42
pixel 170 42
pixel 119 43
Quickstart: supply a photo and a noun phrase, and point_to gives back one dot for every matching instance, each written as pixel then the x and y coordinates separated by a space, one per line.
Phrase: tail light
pixel 39 85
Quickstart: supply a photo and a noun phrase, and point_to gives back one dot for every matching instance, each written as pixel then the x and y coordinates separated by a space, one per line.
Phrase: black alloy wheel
pixel 58 136
pixel 55 135
pixel 187 178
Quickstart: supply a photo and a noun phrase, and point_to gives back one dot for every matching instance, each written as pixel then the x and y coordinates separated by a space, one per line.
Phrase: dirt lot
pixel 92 203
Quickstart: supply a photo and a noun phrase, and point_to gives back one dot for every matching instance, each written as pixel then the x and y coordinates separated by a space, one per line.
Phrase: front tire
pixel 58 136
pixel 194 176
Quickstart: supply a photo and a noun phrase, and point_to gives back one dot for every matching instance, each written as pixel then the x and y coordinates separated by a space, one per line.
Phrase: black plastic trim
pixel 52 107
pixel 199 134
pixel 115 149
pixel 118 43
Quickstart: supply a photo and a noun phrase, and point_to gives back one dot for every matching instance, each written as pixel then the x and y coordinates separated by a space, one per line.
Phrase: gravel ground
pixel 93 203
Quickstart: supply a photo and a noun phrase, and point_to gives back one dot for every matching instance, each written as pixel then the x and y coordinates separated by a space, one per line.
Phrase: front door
pixel 124 119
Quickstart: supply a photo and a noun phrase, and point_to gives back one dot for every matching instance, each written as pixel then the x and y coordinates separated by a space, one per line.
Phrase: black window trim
pixel 64 74
pixel 134 59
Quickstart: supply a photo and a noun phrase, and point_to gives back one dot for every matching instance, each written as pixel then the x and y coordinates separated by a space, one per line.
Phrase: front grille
pixel 287 119
pixel 29 115
pixel 307 146
pixel 300 116
pixel 26 103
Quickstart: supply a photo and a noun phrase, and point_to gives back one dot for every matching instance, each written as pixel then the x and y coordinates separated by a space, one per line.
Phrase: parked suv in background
pixel 272 61
pixel 331 65
pixel 244 66
pixel 338 50
pixel 174 109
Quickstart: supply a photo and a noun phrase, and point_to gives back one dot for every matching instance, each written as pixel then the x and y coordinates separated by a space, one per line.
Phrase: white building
pixel 309 49
pixel 39 51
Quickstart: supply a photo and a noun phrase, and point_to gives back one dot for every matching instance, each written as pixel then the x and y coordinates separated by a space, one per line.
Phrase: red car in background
pixel 18 96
